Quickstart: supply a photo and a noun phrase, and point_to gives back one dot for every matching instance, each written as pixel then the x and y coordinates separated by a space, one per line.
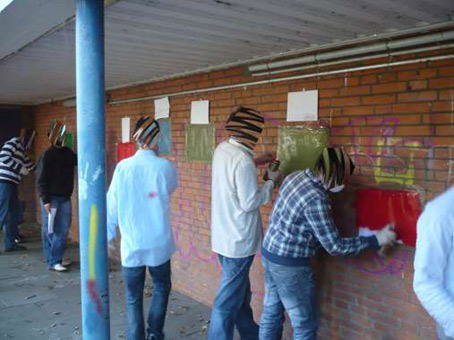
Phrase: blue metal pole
pixel 91 168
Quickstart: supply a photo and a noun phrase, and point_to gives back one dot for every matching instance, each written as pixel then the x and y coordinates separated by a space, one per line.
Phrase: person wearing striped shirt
pixel 14 163
pixel 300 224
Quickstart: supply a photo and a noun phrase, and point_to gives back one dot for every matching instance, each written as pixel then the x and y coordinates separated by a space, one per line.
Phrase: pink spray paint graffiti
pixel 152 194
pixel 192 250
pixel 395 264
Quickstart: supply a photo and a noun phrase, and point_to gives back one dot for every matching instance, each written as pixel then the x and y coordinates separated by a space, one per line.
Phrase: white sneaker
pixel 66 262
pixel 58 268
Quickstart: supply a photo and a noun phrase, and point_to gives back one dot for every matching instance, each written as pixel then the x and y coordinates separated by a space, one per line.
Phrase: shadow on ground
pixel 36 303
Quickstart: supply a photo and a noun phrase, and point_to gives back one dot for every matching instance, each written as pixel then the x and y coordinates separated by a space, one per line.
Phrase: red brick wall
pixel 27 185
pixel 391 120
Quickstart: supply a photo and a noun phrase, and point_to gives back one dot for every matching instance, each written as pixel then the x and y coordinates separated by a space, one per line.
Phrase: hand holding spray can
pixel 273 167
pixel 389 236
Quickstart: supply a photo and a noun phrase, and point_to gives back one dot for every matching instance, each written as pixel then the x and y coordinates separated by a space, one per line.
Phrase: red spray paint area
pixel 378 207
pixel 125 150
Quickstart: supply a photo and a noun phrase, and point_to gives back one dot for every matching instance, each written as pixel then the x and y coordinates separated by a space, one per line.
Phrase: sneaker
pixel 20 239
pixel 66 262
pixel 58 268
pixel 16 248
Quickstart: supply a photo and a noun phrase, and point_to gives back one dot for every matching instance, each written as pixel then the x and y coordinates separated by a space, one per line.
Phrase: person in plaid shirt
pixel 300 224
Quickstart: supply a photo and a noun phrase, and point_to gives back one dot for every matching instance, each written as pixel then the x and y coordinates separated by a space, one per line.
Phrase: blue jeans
pixel 54 244
pixel 232 302
pixel 291 289
pixel 9 211
pixel 135 282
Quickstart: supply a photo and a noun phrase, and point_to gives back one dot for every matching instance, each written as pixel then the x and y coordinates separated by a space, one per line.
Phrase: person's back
pixel 142 187
pixel 55 187
pixel 235 215
pixel 14 163
pixel 300 223
pixel 434 262
pixel 236 223
pixel 13 159
pixel 56 168
pixel 138 202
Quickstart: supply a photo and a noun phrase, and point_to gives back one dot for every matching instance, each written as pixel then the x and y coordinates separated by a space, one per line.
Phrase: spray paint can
pixel 273 166
pixel 385 250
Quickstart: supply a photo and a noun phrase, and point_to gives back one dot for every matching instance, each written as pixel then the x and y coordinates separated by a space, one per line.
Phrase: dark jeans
pixel 135 282
pixel 54 245
pixel 9 211
pixel 232 303
pixel 291 289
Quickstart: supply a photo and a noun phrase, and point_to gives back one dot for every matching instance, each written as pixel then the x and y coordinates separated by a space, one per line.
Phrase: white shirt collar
pixel 146 152
pixel 235 142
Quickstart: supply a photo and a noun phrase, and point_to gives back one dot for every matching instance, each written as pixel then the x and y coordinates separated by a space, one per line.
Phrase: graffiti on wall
pixel 375 152
pixel 91 282
pixel 405 175
pixel 396 263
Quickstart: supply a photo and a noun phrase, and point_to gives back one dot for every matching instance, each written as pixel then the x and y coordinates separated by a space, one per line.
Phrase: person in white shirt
pixel 138 201
pixel 434 262
pixel 236 225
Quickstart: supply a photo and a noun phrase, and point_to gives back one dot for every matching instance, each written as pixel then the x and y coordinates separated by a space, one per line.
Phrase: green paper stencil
pixel 300 147
pixel 200 143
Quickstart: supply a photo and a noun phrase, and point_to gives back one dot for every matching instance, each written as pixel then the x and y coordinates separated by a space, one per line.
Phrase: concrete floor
pixel 36 303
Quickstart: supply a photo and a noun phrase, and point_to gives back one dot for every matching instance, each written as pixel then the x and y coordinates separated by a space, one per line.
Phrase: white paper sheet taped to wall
pixel 161 108
pixel 200 112
pixel 302 106
pixel 125 129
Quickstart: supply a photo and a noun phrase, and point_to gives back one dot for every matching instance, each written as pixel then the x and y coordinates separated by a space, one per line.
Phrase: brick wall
pixel 391 120
pixel 27 185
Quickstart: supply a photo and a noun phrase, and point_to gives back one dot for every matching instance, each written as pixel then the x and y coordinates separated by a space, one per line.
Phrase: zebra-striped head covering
pixel 336 167
pixel 146 132
pixel 56 133
pixel 245 125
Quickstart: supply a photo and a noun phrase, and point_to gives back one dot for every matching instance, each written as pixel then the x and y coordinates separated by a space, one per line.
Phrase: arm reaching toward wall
pixel 318 214
pixel 250 195
pixel 264 158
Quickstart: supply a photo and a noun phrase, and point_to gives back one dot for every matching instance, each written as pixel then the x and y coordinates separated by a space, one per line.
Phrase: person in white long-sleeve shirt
pixel 138 201
pixel 236 225
pixel 434 262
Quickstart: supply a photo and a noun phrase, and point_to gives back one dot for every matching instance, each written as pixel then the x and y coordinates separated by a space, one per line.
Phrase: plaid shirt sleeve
pixel 319 217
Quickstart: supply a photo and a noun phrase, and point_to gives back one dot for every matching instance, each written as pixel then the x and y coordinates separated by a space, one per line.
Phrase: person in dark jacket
pixel 14 163
pixel 55 186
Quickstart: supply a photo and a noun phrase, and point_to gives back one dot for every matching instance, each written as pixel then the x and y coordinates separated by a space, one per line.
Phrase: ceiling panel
pixel 159 38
